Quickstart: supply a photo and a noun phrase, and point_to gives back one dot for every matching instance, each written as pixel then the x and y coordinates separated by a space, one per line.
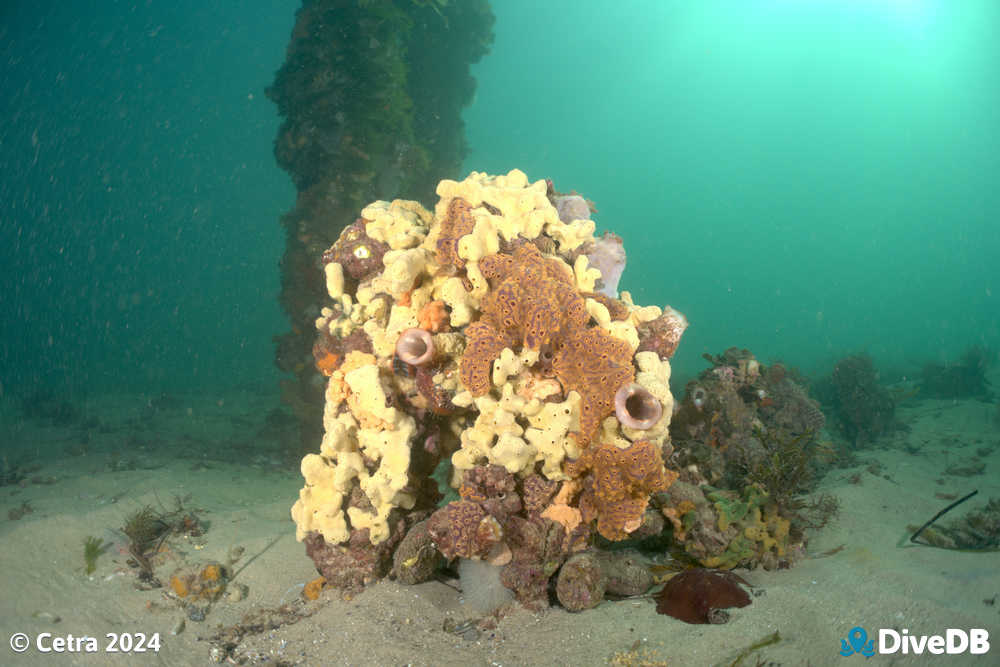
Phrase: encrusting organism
pixel 415 346
pixel 637 408
pixel 491 395
pixel 745 444
pixel 488 351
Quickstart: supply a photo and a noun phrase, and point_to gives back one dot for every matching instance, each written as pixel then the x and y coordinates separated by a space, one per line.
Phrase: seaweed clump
pixel 977 531
pixel 148 528
pixel 17 513
pixel 10 473
pixel 93 547
pixel 783 468
pixel 746 445
pixel 963 379
pixel 45 406
pixel 862 408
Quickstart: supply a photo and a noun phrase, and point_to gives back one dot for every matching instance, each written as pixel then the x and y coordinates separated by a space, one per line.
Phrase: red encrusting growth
pixel 619 484
pixel 534 302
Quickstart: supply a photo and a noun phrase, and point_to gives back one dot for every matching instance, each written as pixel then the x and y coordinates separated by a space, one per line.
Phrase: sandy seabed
pixel 219 454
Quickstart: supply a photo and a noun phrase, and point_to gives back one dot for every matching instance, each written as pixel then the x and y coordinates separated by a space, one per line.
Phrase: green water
pixel 139 198
pixel 806 179
pixel 801 178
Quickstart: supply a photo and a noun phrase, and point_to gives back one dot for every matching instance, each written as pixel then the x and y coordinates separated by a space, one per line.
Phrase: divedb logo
pixel 975 641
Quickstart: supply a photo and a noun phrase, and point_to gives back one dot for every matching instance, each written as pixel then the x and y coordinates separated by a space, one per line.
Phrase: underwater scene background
pixel 805 332
pixel 816 174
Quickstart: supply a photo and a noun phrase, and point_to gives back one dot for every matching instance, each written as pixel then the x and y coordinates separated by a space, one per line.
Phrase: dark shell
pixel 693 596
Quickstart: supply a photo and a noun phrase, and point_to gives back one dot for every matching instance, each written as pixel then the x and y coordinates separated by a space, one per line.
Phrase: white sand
pixel 208 449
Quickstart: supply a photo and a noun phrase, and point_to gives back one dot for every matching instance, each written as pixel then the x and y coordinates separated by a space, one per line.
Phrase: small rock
pixel 582 582
pixel 47 616
pixel 416 559
pixel 196 613
pixel 718 616
pixel 237 592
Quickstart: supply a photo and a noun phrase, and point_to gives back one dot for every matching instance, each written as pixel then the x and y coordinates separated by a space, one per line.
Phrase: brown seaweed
pixel 927 524
pixel 979 530
pixel 700 595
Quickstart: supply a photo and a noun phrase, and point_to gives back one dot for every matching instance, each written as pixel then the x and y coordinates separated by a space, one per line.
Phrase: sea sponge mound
pixel 522 346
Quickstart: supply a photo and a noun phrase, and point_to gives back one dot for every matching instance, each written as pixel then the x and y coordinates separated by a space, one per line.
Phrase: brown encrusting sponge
pixel 618 484
pixel 596 366
pixel 458 222
pixel 533 303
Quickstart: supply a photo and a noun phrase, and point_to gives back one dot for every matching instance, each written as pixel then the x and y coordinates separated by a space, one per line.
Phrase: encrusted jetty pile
pixel 484 348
